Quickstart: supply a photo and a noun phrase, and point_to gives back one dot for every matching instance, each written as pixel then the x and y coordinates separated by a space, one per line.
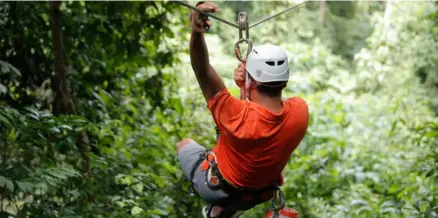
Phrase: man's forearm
pixel 199 53
pixel 208 79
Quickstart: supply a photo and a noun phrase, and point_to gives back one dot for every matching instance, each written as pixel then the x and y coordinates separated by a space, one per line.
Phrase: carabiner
pixel 243 25
pixel 239 53
pixel 280 206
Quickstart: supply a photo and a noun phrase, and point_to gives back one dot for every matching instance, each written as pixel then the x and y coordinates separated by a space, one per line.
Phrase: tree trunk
pixel 63 103
pixel 322 11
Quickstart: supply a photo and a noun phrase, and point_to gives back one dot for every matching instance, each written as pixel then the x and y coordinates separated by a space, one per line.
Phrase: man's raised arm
pixel 207 77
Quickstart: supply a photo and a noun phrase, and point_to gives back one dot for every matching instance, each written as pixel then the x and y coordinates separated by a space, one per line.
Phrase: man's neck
pixel 273 104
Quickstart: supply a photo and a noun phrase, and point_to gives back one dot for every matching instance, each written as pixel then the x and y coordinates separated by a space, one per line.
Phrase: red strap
pixel 210 158
pixel 285 212
pixel 204 165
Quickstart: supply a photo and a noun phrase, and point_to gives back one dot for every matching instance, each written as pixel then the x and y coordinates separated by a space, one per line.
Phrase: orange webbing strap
pixel 283 213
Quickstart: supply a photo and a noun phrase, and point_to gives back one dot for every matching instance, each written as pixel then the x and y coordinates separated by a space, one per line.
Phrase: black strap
pixel 236 192
pixel 202 157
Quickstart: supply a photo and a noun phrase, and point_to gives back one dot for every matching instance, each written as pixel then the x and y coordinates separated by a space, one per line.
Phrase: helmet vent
pixel 280 63
pixel 270 63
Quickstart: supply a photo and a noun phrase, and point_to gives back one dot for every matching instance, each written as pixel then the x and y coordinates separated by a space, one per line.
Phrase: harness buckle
pixel 213 176
pixel 214 181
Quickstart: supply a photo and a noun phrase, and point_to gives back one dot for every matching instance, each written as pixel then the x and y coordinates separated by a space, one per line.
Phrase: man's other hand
pixel 239 75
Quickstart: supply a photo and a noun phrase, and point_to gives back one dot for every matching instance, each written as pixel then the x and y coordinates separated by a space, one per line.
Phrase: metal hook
pixel 280 206
pixel 239 53
pixel 243 26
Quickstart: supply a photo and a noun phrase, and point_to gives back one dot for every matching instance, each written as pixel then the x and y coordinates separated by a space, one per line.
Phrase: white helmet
pixel 268 63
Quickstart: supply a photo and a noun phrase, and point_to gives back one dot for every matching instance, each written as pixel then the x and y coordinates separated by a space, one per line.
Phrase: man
pixel 257 136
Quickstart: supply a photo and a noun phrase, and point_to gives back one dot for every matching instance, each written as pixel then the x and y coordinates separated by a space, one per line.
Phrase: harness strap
pixel 202 156
pixel 216 181
pixel 209 212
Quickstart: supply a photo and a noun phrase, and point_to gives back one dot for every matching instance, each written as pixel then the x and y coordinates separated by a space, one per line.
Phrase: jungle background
pixel 95 95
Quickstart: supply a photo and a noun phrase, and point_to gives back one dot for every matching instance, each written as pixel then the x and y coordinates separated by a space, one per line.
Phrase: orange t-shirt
pixel 255 144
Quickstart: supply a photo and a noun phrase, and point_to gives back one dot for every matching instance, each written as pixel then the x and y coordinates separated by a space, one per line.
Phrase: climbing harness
pixel 238 198
pixel 208 162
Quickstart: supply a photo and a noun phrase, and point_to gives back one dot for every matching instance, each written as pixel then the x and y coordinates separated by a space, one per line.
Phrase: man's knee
pixel 183 143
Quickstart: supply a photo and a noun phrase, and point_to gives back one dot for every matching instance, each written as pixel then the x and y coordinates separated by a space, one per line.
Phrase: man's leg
pixel 188 155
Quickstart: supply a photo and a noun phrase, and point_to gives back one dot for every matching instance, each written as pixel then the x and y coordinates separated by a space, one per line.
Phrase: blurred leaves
pixel 370 150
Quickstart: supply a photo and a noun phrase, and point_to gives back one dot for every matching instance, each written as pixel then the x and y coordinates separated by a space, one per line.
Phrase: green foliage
pixel 36 159
pixel 367 140
pixel 121 59
pixel 368 74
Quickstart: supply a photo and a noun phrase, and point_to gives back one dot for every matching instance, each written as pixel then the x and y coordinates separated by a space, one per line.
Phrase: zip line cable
pixel 275 15
pixel 181 2
pixel 207 14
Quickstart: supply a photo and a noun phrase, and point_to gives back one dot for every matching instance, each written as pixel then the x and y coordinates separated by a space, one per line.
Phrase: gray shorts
pixel 188 156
